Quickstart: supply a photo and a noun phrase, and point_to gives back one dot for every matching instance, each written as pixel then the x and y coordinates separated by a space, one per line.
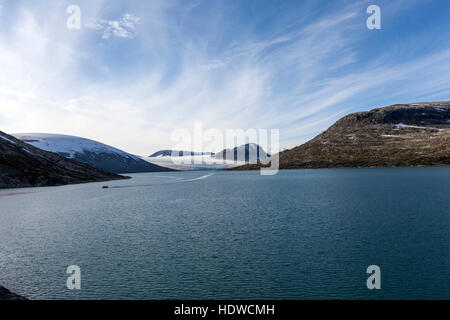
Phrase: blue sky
pixel 138 70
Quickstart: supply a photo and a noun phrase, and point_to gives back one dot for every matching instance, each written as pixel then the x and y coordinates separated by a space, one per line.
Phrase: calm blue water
pixel 302 234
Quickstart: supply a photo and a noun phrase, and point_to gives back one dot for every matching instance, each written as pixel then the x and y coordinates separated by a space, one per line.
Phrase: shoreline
pixel 26 186
pixel 254 167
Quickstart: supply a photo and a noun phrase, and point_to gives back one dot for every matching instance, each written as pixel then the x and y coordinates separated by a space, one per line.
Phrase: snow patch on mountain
pixel 69 145
pixel 4 138
pixel 92 153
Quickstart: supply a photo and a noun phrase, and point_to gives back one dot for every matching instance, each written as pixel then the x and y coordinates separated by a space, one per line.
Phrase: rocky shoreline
pixel 5 294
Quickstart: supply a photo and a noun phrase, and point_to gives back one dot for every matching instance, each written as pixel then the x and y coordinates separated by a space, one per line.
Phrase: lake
pixel 301 234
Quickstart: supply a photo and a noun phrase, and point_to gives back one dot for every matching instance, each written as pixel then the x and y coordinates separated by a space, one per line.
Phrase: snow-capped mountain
pixel 23 165
pixel 93 153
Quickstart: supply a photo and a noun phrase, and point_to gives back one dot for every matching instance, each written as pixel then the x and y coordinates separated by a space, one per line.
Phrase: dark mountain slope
pixel 5 294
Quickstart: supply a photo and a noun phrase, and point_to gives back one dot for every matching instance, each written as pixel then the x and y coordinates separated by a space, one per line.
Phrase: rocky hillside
pixel 400 135
pixel 90 152
pixel 23 165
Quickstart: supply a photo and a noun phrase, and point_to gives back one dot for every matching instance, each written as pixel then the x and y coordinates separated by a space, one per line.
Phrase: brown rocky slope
pixel 415 134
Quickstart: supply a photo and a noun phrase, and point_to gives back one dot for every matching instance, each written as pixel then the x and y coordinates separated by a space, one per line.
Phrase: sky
pixel 136 71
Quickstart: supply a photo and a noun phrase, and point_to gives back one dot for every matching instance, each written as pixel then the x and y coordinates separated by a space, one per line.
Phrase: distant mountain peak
pixel 250 153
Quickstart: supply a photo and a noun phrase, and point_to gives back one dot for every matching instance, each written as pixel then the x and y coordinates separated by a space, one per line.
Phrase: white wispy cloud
pixel 124 27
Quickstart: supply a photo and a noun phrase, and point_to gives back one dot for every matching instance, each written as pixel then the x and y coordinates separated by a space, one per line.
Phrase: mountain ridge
pixel 23 165
pixel 90 152
pixel 415 134
pixel 249 152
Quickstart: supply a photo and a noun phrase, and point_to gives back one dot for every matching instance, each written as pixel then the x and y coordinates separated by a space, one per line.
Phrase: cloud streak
pixel 122 28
